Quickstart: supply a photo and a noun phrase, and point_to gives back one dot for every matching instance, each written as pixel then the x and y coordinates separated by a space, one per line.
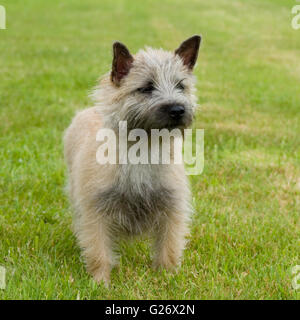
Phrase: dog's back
pixel 86 123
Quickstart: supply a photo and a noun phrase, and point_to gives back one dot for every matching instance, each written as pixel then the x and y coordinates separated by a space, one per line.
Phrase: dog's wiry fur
pixel 112 201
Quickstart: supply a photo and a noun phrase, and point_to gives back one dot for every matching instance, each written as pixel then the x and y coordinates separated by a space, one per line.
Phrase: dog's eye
pixel 180 86
pixel 147 89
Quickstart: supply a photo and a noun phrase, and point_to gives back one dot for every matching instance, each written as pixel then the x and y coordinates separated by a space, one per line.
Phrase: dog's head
pixel 154 88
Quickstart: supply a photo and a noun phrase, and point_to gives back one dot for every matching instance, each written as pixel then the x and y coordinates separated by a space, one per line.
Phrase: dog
pixel 153 89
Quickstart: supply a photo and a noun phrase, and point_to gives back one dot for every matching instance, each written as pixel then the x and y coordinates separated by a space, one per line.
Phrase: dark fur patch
pixel 157 119
pixel 134 211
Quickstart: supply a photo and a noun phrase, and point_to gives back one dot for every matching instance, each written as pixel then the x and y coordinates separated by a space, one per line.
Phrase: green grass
pixel 246 229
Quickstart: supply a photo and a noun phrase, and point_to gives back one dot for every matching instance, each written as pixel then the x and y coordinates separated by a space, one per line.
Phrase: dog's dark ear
pixel 188 51
pixel 122 62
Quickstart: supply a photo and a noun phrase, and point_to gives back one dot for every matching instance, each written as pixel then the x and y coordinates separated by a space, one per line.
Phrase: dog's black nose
pixel 176 112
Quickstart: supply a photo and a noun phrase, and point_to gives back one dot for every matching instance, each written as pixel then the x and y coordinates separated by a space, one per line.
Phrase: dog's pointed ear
pixel 188 51
pixel 122 62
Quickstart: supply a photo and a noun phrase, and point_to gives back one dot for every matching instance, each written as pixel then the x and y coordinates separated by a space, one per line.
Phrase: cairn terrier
pixel 153 89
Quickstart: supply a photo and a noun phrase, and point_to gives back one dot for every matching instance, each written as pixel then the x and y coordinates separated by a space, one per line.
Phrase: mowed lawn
pixel 245 232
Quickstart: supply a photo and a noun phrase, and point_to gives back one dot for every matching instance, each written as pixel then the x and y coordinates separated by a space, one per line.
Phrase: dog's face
pixel 155 88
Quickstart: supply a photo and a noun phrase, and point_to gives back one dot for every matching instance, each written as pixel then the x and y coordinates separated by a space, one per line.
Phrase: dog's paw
pixel 101 277
pixel 166 263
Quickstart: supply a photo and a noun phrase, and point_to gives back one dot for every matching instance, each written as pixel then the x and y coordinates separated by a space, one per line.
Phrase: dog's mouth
pixel 171 124
pixel 179 124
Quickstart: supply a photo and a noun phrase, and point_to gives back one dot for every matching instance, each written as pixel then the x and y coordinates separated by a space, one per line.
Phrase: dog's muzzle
pixel 173 115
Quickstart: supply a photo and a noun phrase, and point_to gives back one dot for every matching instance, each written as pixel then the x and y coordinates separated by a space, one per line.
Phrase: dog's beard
pixel 156 120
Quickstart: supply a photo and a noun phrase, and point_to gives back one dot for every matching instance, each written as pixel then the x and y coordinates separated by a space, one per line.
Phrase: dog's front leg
pixel 170 241
pixel 94 238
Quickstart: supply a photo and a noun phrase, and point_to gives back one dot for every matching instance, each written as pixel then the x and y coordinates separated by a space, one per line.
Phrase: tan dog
pixel 153 89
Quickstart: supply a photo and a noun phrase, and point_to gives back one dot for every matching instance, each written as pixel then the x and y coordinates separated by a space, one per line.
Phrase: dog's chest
pixel 136 199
